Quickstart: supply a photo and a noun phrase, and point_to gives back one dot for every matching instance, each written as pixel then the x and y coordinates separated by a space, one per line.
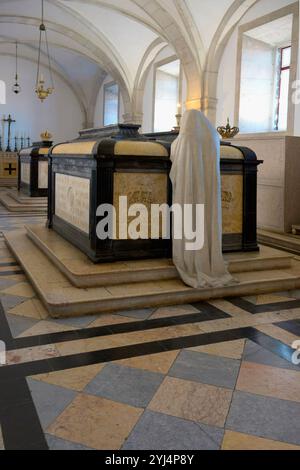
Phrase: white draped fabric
pixel 196 179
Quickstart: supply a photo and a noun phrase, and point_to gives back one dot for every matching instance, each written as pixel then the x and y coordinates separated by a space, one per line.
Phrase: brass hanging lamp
pixel 16 87
pixel 41 91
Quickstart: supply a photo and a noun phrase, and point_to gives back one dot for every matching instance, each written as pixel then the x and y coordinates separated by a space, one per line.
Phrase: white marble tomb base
pixel 69 284
pixel 16 201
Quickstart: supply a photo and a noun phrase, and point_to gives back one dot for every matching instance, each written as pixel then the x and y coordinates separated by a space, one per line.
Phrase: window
pixel 111 104
pixel 2 92
pixel 282 97
pixel 265 76
pixel 167 96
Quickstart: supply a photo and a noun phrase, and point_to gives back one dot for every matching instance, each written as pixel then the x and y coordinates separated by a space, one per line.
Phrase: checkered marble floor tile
pixel 196 401
pixel 207 376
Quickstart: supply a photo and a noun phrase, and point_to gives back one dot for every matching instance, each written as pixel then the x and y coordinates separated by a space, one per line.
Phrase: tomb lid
pixel 110 141
pixel 112 148
pixel 37 148
pixel 117 132
pixel 228 151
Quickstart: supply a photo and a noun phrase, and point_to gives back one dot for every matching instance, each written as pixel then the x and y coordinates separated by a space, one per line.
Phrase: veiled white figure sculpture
pixel 196 178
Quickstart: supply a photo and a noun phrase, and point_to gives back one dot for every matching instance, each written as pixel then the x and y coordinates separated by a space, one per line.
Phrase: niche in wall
pixel 167 95
pixel 111 104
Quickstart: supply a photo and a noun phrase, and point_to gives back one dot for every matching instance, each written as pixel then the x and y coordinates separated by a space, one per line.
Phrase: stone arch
pixel 227 26
pixel 108 6
pixel 112 66
pixel 191 30
pixel 106 46
pixel 168 30
pixel 93 101
pixel 139 86
pixel 177 40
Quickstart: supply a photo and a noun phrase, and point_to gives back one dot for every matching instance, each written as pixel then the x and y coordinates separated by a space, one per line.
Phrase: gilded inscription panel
pixel 72 200
pixel 25 173
pixel 43 175
pixel 140 188
pixel 232 203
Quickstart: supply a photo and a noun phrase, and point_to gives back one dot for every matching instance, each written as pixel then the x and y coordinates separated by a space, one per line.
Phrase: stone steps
pixel 8 182
pixel 13 206
pixel 23 199
pixel 62 299
pixel 282 241
pixel 82 272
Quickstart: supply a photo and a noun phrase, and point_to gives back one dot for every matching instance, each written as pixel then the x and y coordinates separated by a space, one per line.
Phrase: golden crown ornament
pixel 228 132
pixel 46 136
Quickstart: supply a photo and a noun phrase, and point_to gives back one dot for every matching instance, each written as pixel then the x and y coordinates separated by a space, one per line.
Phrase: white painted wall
pixel 98 118
pixel 60 113
pixel 228 66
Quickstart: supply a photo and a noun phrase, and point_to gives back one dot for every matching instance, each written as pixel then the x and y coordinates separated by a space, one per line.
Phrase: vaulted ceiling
pixel 89 38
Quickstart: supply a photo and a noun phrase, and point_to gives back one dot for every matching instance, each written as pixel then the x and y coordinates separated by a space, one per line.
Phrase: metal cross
pixel 10 121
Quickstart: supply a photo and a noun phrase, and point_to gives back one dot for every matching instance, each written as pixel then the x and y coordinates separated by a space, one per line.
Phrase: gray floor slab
pixel 157 431
pixel 19 324
pixel 255 353
pixel 6 283
pixel 265 417
pixel 55 443
pixel 140 314
pixel 125 384
pixel 49 400
pixel 10 301
pixel 206 368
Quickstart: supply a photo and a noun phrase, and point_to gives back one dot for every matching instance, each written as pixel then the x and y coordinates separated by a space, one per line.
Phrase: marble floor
pixel 212 375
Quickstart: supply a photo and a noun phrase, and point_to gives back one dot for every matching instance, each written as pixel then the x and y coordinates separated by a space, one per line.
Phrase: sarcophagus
pixel 33 169
pixel 104 166
pixel 239 166
pixel 97 169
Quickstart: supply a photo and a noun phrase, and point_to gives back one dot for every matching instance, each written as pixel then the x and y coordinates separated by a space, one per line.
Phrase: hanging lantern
pixel 16 87
pixel 41 90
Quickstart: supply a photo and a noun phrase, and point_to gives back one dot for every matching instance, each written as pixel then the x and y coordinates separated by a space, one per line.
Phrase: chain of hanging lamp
pixel 16 87
pixel 40 89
